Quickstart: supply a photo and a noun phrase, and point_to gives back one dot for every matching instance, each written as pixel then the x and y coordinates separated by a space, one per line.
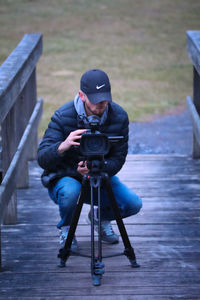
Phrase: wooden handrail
pixel 16 70
pixel 20 114
pixel 193 49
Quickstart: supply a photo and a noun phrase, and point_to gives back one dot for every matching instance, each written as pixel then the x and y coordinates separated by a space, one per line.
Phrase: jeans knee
pixel 134 207
pixel 137 205
pixel 66 197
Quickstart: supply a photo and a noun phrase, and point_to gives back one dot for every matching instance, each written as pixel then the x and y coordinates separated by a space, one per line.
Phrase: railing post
pixel 196 101
pixel 10 215
pixel 196 89
pixel 32 96
pixel 9 143
pixel 193 49
pixel 28 100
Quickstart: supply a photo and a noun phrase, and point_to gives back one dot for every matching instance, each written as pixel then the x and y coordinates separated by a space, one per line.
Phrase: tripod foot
pixel 129 252
pixel 97 273
pixel 96 279
pixel 62 263
pixel 134 264
pixel 63 255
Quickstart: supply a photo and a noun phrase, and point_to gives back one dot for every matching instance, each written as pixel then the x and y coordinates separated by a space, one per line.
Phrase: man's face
pixel 94 109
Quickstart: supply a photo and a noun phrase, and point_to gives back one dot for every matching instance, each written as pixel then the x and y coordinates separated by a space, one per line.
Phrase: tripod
pixel 94 180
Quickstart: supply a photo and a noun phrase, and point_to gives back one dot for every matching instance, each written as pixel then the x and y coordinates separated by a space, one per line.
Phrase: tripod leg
pixel 92 233
pixel 129 251
pixel 64 253
pixel 99 225
pixel 97 267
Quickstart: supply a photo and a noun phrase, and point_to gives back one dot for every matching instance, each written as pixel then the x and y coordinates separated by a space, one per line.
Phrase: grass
pixel 140 44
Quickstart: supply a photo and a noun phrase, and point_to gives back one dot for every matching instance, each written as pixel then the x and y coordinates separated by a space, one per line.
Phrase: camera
pixel 93 143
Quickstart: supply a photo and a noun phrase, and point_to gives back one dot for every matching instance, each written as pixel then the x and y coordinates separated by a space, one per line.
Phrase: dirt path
pixel 169 134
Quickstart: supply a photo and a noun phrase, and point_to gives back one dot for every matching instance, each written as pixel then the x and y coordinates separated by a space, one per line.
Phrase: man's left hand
pixel 82 168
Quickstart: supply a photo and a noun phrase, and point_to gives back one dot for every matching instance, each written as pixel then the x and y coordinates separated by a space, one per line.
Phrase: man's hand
pixel 82 168
pixel 71 140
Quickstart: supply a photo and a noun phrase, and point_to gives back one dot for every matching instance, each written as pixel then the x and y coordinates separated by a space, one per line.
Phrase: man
pixel 63 165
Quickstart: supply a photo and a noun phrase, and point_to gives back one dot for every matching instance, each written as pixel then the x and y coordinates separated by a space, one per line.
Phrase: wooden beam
pixel 196 127
pixel 196 90
pixel 193 48
pixel 11 177
pixel 16 70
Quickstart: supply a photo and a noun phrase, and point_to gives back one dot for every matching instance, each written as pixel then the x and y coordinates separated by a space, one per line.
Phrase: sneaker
pixel 63 237
pixel 107 232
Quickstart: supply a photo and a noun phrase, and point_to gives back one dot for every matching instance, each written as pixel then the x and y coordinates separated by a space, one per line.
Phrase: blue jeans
pixel 66 191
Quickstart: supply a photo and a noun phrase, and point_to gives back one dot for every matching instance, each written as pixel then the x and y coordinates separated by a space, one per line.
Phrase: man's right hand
pixel 71 140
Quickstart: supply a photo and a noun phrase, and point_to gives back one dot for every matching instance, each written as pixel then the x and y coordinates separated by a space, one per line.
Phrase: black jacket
pixel 65 120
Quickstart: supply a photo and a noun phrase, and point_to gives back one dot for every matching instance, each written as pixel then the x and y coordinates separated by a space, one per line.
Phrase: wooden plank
pixel 22 230
pixel 17 68
pixel 128 292
pixel 174 249
pixel 69 280
pixel 154 261
pixel 10 179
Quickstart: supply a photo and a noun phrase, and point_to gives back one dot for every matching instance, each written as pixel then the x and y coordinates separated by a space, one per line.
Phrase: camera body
pixel 94 144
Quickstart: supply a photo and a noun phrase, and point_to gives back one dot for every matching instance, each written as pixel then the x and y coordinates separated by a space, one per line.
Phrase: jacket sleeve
pixel 48 157
pixel 118 152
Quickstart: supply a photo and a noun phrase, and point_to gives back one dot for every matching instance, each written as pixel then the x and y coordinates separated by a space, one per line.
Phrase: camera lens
pixel 94 144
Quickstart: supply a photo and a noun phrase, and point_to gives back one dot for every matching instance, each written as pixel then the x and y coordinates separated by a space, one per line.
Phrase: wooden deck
pixel 165 236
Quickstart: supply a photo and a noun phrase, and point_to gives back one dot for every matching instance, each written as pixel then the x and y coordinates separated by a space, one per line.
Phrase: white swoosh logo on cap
pixel 99 87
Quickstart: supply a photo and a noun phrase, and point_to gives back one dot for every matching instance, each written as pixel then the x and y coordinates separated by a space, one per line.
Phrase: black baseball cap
pixel 96 85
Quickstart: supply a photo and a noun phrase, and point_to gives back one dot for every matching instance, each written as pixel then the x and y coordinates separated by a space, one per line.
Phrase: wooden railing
pixel 20 112
pixel 193 49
